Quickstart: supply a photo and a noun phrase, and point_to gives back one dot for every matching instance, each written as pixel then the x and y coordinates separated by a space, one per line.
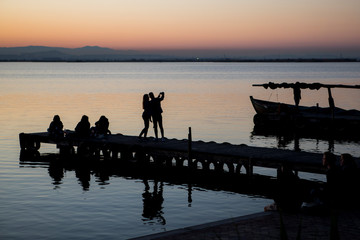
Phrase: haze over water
pixel 212 98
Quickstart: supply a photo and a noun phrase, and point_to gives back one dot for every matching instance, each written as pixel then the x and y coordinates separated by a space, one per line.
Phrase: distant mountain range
pixel 100 54
pixel 88 53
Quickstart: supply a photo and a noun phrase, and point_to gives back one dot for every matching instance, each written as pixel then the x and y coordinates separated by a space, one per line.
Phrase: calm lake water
pixel 212 98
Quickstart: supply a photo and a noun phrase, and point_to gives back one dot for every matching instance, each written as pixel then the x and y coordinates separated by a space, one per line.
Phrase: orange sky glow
pixel 170 24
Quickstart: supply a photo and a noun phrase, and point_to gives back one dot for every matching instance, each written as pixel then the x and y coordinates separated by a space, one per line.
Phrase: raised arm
pixel 161 96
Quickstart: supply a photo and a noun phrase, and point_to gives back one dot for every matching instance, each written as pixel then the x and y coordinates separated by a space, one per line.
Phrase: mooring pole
pixel 189 148
pixel 250 169
pixel 331 103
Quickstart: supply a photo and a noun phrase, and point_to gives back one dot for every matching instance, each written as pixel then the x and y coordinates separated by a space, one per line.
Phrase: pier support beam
pixel 28 143
pixel 190 160
pixel 66 150
pixel 249 168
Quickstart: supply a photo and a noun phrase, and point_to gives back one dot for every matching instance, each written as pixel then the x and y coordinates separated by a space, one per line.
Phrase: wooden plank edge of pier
pixel 198 151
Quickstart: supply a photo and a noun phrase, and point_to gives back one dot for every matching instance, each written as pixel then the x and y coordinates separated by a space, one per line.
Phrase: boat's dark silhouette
pixel 333 121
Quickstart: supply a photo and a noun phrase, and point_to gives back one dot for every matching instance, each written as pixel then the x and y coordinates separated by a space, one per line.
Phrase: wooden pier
pixel 209 156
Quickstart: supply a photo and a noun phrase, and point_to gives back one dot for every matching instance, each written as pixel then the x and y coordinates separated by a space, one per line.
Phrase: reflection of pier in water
pixel 102 171
pixel 153 178
pixel 285 136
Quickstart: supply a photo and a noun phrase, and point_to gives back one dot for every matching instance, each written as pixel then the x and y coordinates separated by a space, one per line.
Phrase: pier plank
pixel 220 153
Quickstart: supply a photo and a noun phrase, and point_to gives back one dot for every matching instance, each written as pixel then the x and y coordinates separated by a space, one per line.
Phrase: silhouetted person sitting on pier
pixel 323 198
pixel 331 192
pixel 289 193
pixel 82 129
pixel 56 127
pixel 101 127
pixel 146 115
pixel 156 112
pixel 349 180
pixel 348 166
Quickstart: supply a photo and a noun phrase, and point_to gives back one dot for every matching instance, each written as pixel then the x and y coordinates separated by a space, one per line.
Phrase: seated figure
pixel 82 129
pixel 56 127
pixel 288 194
pixel 101 127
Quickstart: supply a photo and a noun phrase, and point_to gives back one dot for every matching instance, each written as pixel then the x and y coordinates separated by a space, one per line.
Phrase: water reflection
pixel 102 171
pixel 285 137
pixel 152 203
pixel 84 176
pixel 147 200
pixel 56 172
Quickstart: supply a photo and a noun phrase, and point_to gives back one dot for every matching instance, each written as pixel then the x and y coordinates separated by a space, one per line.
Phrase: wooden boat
pixel 301 117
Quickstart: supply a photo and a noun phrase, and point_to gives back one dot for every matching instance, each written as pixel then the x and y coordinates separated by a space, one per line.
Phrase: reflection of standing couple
pixel 152 203
pixel 152 110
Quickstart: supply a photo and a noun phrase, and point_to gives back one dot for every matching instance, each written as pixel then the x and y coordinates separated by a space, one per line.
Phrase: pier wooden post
pixel 190 148
pixel 28 143
pixel 250 169
pixel 331 103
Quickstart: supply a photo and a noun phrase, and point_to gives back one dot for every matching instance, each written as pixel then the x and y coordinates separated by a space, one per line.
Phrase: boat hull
pixel 275 114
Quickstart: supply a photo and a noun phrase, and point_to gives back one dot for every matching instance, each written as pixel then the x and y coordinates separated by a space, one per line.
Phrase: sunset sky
pixel 181 24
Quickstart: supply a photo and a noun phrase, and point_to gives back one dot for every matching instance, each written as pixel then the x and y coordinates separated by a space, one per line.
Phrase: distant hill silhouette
pixel 100 54
pixel 88 53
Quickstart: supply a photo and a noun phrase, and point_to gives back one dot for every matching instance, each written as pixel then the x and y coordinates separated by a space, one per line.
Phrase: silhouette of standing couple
pixel 152 112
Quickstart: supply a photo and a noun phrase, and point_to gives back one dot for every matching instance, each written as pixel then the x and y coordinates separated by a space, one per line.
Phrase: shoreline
pixel 204 60
pixel 340 224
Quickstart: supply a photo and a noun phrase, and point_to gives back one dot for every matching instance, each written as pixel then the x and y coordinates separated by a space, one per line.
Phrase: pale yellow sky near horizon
pixel 180 24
